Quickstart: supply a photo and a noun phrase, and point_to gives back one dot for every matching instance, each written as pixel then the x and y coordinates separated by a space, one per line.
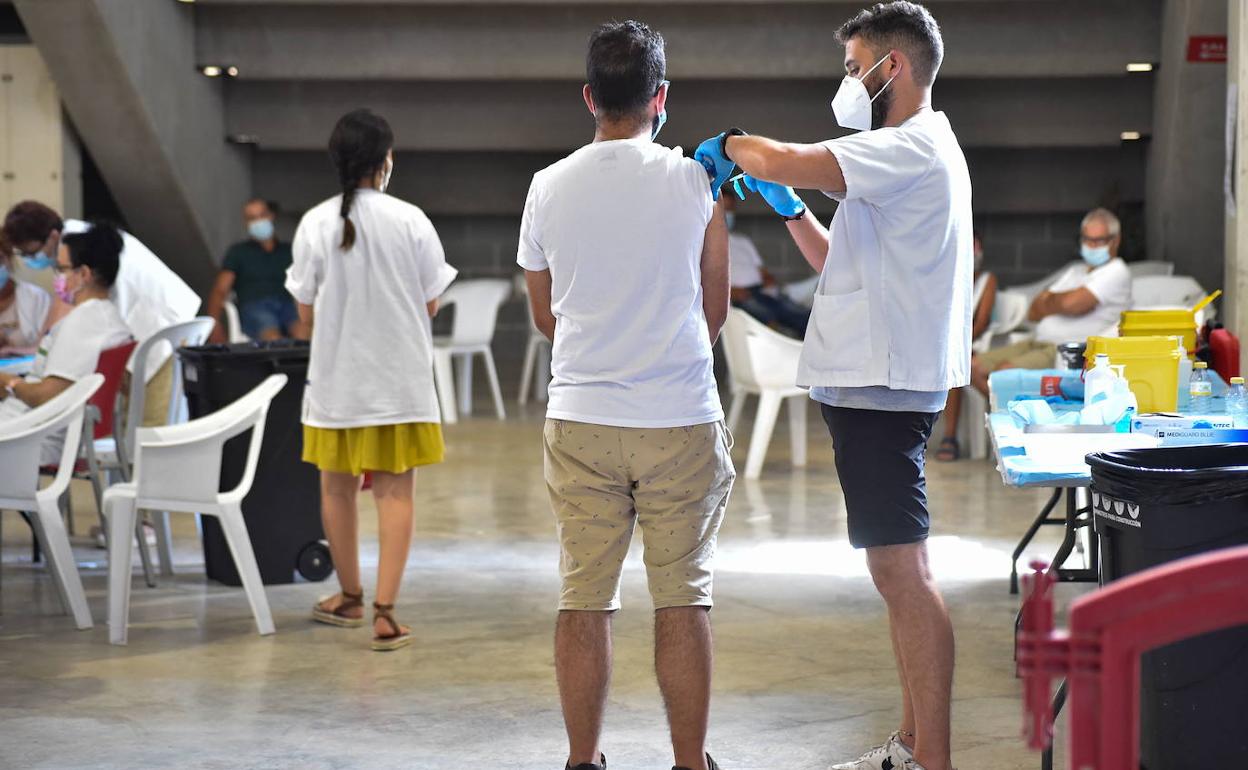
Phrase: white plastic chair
pixel 763 362
pixel 1009 313
pixel 1159 292
pixel 1150 267
pixel 178 468
pixel 476 315
pixel 114 456
pixel 21 441
pixel 233 324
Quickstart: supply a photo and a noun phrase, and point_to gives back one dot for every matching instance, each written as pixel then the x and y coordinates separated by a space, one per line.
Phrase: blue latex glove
pixel 718 166
pixel 781 198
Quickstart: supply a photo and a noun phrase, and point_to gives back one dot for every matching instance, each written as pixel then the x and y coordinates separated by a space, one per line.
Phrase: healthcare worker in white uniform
pixel 149 295
pixel 890 332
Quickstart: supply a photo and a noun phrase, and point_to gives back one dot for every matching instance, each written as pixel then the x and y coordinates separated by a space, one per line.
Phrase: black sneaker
pixel 602 758
pixel 710 764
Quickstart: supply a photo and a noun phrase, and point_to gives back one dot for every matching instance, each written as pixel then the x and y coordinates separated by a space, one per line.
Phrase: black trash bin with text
pixel 1152 506
pixel 283 508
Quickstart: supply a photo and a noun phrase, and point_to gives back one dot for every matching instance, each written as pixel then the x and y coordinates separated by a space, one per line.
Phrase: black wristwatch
pixel 799 215
pixel 723 142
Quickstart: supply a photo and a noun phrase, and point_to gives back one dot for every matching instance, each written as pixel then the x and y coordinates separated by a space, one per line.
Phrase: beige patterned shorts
pixel 673 482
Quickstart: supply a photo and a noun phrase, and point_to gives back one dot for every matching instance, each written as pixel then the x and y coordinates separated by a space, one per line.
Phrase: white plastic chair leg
pixel 164 542
pixel 444 381
pixel 121 516
pixel 60 557
pixel 735 410
pixel 797 429
pixel 764 424
pixel 463 381
pixel 974 407
pixel 235 529
pixel 526 371
pixel 492 375
pixel 544 353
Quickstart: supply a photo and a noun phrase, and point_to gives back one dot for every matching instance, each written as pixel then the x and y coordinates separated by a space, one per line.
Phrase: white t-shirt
pixel 1111 283
pixel 744 262
pixel 893 307
pixel 22 322
pixel 71 350
pixel 372 343
pixel 148 294
pixel 620 226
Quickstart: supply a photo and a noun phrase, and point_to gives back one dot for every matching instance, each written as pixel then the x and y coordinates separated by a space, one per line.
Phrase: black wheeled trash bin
pixel 283 509
pixel 1154 506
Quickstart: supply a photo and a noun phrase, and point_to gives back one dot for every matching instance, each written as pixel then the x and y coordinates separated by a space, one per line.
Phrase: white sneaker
pixel 891 755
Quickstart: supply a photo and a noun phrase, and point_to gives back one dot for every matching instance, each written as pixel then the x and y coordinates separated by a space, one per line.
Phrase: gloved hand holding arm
pixel 718 166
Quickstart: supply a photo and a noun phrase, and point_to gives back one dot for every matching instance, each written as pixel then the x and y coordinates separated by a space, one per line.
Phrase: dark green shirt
pixel 258 274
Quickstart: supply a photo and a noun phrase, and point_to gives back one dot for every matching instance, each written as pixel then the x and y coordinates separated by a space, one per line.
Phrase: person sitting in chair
pixel 86 268
pixel 754 289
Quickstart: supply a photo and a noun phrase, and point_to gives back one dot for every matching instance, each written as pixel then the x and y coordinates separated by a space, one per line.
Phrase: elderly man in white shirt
pixel 149 295
pixel 890 333
pixel 1085 301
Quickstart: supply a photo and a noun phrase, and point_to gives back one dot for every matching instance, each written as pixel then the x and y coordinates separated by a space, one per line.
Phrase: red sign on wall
pixel 1206 48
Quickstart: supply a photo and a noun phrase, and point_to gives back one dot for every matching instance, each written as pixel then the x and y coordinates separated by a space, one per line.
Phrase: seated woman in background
pixel 985 298
pixel 23 308
pixel 86 267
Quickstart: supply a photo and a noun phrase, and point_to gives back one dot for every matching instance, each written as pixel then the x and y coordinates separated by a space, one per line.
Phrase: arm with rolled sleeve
pixel 532 257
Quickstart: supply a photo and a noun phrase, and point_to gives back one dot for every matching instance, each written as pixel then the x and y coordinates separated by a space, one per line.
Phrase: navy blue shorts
pixel 260 315
pixel 880 464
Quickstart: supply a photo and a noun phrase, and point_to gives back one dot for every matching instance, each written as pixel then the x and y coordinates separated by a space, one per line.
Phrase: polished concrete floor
pixel 803 672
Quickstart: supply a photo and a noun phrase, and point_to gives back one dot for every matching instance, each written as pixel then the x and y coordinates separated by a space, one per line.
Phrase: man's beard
pixel 880 108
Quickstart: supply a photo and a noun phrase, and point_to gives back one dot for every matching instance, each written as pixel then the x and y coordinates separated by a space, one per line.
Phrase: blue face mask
pixel 260 229
pixel 731 219
pixel 659 122
pixel 4 276
pixel 40 261
pixel 1094 256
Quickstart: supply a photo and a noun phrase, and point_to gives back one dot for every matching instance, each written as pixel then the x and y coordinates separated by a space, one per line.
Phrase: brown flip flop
pixel 399 636
pixel 338 616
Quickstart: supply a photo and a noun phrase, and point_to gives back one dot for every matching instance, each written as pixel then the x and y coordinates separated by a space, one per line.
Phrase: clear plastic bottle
pixel 1098 382
pixel 1201 388
pixel 1237 403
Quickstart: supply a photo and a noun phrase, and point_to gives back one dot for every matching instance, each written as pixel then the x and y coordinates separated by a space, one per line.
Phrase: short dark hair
pixel 99 249
pixel 30 221
pixel 906 26
pixel 625 66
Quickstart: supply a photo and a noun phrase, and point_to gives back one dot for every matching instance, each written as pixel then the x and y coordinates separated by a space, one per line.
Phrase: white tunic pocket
pixel 841 325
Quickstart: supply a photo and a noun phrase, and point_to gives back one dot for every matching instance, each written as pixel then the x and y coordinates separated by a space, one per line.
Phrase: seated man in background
pixel 255 271
pixel 1085 301
pixel 754 289
pixel 147 293
pixel 23 308
pixel 86 269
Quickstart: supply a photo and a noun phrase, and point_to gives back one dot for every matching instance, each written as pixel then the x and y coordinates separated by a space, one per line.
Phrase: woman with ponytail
pixel 367 273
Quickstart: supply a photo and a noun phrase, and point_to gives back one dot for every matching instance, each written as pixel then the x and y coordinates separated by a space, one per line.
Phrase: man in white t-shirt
pixel 1085 301
pixel 626 261
pixel 754 289
pixel 890 331
pixel 149 295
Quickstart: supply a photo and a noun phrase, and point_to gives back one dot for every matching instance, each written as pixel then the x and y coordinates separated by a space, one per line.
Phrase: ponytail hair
pixel 358 149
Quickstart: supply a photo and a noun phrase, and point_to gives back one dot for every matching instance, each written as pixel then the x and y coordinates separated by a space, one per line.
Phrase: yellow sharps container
pixel 1150 364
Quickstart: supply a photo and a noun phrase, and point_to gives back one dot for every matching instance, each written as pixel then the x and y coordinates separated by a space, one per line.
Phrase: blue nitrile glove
pixel 718 167
pixel 781 198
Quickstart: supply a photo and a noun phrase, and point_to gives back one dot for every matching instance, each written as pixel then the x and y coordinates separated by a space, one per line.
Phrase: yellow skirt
pixel 385 448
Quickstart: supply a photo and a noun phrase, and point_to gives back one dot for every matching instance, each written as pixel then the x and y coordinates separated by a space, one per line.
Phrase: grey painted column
pixel 1186 218
pixel 155 126
pixel 1235 311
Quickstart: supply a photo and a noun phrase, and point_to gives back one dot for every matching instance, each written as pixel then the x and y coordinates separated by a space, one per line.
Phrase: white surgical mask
pixel 385 176
pixel 852 103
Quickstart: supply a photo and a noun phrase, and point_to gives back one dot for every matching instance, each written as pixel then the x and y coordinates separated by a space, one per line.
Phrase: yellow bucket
pixel 1160 323
pixel 1150 364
